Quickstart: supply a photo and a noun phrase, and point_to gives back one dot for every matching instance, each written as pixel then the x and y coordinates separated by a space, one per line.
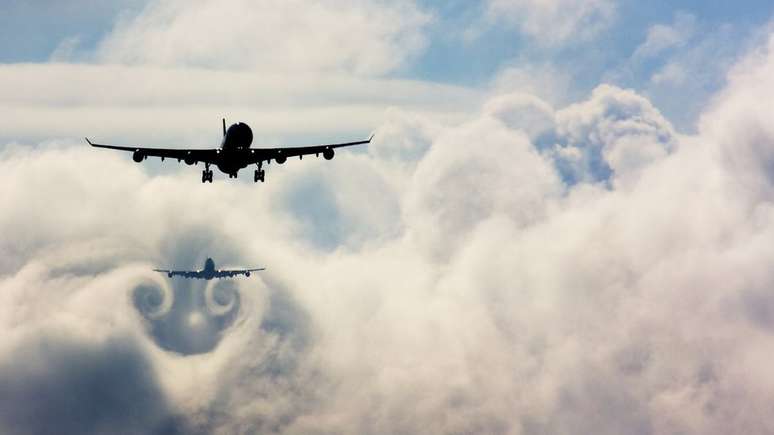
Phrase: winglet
pixel 87 140
pixel 372 136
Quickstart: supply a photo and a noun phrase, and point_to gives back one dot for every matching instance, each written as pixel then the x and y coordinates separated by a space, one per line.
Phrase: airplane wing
pixel 282 153
pixel 231 273
pixel 189 156
pixel 183 273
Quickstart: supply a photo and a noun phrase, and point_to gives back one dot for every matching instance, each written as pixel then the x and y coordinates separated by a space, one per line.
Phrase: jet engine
pixel 281 159
pixel 189 160
pixel 328 154
pixel 247 274
pixel 138 156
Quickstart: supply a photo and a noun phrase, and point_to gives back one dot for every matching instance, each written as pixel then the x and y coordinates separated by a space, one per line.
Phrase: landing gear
pixel 206 174
pixel 232 175
pixel 260 175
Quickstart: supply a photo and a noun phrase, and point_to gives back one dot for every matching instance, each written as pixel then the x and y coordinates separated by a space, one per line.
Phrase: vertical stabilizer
pixel 224 127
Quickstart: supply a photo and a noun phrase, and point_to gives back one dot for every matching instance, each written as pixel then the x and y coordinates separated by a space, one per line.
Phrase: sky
pixel 564 223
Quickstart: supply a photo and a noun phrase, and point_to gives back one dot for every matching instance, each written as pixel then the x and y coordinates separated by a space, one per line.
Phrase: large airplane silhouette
pixel 209 272
pixel 234 153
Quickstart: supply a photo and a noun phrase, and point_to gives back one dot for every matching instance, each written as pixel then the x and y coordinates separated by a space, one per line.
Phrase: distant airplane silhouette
pixel 234 153
pixel 209 272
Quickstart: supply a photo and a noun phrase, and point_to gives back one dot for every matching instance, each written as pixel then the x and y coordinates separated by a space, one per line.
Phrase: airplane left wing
pixel 188 155
pixel 230 273
pixel 282 153
pixel 183 273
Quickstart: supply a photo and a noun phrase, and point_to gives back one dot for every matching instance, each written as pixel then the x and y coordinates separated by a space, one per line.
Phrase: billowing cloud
pixel 739 123
pixel 616 132
pixel 504 299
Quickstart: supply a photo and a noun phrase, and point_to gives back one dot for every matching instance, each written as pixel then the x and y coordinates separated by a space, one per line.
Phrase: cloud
pixel 150 81
pixel 506 301
pixel 584 270
pixel 617 133
pixel 167 106
pixel 555 22
pixel 358 36
pixel 65 50
pixel 92 282
pixel 682 64
pixel 666 36
pixel 55 385
pixel 544 81
pixel 737 119
pixel 447 198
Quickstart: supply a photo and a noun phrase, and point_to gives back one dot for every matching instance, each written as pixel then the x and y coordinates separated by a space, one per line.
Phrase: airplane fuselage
pixel 235 148
pixel 208 272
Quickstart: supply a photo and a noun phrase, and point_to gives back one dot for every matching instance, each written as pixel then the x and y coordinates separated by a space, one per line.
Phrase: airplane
pixel 234 153
pixel 209 272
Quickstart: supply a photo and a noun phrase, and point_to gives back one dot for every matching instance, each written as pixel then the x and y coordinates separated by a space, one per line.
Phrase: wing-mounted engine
pixel 189 159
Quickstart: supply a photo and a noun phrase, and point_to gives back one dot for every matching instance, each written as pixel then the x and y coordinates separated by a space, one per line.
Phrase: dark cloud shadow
pixel 56 386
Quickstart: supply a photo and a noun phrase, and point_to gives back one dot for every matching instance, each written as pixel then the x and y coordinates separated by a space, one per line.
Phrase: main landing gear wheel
pixel 260 175
pixel 206 176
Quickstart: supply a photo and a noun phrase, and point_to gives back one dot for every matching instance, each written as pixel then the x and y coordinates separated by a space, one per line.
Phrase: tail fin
pixel 224 126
